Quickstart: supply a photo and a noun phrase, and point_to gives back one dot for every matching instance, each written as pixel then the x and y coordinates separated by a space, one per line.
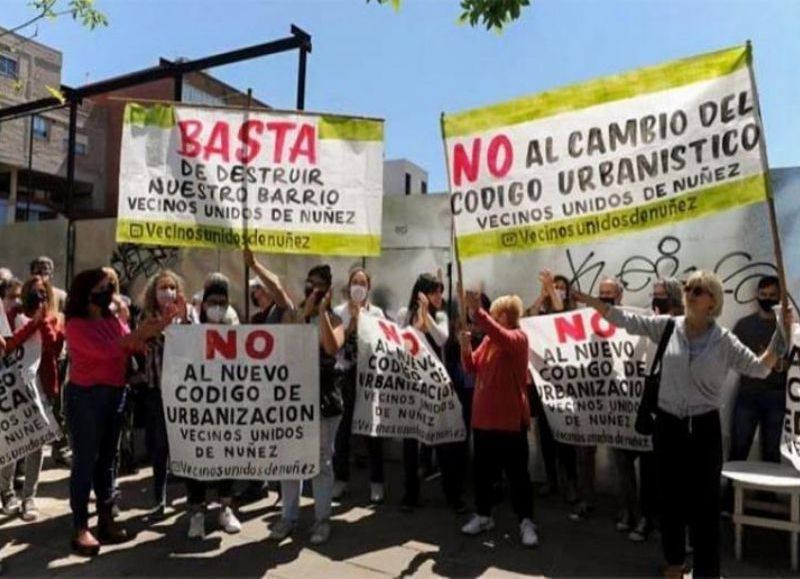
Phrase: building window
pixel 8 67
pixel 408 184
pixel 81 146
pixel 41 128
pixel 423 187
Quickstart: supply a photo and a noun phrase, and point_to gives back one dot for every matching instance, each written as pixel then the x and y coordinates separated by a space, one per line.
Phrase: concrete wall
pixel 394 177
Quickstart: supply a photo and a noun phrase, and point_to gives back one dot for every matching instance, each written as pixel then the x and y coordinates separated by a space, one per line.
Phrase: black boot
pixel 108 530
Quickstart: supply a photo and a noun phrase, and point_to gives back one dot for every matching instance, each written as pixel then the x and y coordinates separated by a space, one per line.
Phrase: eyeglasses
pixel 695 290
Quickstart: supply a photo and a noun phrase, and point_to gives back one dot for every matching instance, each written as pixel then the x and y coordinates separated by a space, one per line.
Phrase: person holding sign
pixel 358 286
pixel 426 314
pixel 316 308
pixel 39 314
pixel 213 310
pixel 500 413
pixel 164 299
pixel 687 438
pixel 99 345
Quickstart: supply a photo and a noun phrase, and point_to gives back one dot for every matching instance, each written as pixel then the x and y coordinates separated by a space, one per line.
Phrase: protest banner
pixel 617 155
pixel 26 421
pixel 590 377
pixel 402 388
pixel 242 402
pixel 790 444
pixel 278 182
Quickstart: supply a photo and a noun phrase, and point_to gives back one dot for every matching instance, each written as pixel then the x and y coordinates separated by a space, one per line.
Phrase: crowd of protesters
pixel 101 349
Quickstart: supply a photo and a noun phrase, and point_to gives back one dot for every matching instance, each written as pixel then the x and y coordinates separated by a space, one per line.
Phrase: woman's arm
pixel 467 355
pixel 636 324
pixel 271 281
pixel 438 328
pixel 744 361
pixel 331 335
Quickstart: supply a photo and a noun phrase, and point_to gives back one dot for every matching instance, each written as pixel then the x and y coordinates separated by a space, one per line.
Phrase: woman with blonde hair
pixel 500 412
pixel 687 438
pixel 164 298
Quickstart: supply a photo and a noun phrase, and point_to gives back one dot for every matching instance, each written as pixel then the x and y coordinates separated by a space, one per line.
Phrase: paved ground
pixel 366 542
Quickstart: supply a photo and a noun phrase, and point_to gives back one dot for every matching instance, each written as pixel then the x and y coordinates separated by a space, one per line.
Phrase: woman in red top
pixel 500 412
pixel 37 315
pixel 99 344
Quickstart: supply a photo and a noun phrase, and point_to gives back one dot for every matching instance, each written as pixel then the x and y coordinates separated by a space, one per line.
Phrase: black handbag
pixel 645 415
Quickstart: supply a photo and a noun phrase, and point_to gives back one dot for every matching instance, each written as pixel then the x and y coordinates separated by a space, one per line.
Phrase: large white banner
pixel 590 377
pixel 612 156
pixel 790 446
pixel 277 182
pixel 242 402
pixel 26 420
pixel 402 388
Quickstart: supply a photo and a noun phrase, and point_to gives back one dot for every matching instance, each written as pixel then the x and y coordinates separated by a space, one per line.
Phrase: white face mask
pixel 215 314
pixel 166 296
pixel 562 294
pixel 358 293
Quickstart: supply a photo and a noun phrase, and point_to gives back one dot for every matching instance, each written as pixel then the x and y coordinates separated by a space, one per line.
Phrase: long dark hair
pixel 322 272
pixel 78 297
pixel 426 283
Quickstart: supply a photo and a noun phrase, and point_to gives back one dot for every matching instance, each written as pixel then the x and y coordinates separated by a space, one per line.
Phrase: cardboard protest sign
pixel 402 388
pixel 790 444
pixel 590 377
pixel 26 420
pixel 618 155
pixel 281 182
pixel 242 402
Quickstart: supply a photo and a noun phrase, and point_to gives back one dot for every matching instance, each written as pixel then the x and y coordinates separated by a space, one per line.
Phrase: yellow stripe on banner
pixel 350 129
pixel 613 223
pixel 174 234
pixel 149 115
pixel 599 91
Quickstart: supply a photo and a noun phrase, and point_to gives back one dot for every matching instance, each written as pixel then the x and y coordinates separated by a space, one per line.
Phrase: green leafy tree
pixel 493 14
pixel 82 11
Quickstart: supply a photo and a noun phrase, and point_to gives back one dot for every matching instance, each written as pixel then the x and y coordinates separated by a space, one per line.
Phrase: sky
pixel 409 66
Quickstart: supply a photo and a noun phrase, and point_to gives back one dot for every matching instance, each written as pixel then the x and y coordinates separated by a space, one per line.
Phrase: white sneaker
pixel 228 521
pixel 478 524
pixel 320 533
pixel 280 530
pixel 197 526
pixel 527 532
pixel 339 490
pixel 376 493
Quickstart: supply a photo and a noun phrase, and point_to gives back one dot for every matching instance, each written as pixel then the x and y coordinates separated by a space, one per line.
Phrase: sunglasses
pixel 695 290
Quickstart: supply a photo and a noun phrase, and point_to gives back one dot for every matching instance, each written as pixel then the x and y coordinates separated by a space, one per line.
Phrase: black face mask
pixel 33 300
pixel 609 301
pixel 102 299
pixel 661 305
pixel 767 304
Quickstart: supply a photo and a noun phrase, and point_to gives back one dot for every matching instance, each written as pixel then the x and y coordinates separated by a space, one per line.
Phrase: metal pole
pixel 73 129
pixel 177 88
pixel 244 208
pixel 301 79
pixel 30 170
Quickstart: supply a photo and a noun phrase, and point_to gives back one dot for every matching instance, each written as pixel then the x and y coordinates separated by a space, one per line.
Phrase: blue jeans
pixel 94 419
pixel 757 407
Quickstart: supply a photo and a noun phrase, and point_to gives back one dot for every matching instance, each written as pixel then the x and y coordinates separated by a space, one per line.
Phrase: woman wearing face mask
pixel 425 312
pixel 687 439
pixel 38 313
pixel 500 413
pixel 358 285
pixel 316 309
pixel 163 299
pixel 213 310
pixel 99 345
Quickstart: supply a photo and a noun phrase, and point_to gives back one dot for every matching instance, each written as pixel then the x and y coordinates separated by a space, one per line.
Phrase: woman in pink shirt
pixel 99 344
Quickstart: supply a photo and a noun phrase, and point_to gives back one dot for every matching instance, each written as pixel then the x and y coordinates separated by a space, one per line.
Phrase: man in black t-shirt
pixel 760 403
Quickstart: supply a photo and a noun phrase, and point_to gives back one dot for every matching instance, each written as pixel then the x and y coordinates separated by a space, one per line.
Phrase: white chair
pixel 765 476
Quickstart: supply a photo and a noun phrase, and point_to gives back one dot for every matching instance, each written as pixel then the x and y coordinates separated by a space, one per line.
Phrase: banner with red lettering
pixel 277 182
pixel 590 376
pixel 242 402
pixel 659 146
pixel 402 389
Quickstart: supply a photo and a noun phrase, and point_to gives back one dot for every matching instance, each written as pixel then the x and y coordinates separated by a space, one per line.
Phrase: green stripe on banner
pixel 349 129
pixel 595 92
pixel 149 115
pixel 613 223
pixel 174 234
